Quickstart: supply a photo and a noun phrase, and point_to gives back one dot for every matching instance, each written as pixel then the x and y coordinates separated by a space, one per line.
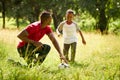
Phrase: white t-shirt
pixel 69 32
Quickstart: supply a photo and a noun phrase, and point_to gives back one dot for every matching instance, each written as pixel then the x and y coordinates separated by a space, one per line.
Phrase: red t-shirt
pixel 35 32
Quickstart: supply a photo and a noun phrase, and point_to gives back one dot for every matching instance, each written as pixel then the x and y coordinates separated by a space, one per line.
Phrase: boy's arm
pixel 78 30
pixel 59 29
pixel 83 40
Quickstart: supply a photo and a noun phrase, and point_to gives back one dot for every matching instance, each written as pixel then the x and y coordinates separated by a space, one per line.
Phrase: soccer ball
pixel 63 65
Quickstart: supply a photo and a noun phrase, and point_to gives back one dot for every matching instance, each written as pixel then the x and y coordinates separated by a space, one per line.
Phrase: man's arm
pixel 56 45
pixel 23 35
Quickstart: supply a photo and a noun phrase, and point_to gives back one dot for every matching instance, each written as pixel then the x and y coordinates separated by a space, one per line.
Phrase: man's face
pixel 49 20
pixel 69 16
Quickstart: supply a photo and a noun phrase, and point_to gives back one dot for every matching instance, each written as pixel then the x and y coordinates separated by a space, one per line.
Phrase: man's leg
pixel 21 51
pixel 27 53
pixel 42 53
pixel 66 50
pixel 73 51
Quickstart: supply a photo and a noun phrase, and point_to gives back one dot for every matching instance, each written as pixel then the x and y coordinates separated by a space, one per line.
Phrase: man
pixel 30 36
pixel 69 29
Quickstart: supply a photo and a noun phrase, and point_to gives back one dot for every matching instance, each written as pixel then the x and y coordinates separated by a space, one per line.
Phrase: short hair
pixel 70 11
pixel 44 16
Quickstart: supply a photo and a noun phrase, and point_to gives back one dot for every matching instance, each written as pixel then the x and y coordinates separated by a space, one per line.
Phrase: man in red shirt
pixel 30 36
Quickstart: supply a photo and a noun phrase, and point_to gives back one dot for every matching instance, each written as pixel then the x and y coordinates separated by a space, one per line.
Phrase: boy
pixel 69 29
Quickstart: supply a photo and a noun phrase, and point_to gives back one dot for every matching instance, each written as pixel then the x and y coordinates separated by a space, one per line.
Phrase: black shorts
pixel 29 50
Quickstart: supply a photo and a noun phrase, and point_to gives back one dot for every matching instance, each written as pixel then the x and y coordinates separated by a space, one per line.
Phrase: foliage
pixel 114 26
pixel 85 21
pixel 101 10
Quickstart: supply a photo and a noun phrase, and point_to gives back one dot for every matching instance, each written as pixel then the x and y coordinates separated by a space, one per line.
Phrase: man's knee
pixel 46 48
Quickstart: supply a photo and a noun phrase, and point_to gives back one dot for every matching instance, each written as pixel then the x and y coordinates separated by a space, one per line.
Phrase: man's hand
pixel 56 45
pixel 37 44
pixel 62 58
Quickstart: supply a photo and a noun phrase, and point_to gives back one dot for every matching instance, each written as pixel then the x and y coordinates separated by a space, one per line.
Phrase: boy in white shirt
pixel 69 29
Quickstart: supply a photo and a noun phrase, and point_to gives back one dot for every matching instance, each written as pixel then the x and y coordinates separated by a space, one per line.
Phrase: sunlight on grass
pixel 99 59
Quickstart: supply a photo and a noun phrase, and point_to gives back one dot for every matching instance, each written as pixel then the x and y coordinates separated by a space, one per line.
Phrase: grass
pixel 99 59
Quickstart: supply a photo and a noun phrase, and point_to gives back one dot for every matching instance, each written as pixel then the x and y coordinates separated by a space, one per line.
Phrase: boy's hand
pixel 59 35
pixel 84 42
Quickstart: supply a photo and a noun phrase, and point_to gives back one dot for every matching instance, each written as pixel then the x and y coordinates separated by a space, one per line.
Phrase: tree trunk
pixel 102 23
pixel 3 14
pixel 56 19
pixel 17 22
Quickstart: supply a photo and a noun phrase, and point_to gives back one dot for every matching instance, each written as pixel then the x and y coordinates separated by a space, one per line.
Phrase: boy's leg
pixel 66 50
pixel 73 51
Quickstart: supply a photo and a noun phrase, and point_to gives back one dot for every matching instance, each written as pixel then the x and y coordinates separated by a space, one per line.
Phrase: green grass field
pixel 99 59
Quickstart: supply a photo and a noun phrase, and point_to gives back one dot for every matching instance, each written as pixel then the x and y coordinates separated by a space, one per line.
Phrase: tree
pixel 32 9
pixel 59 7
pixel 3 11
pixel 56 8
pixel 16 8
pixel 10 9
pixel 103 19
pixel 101 10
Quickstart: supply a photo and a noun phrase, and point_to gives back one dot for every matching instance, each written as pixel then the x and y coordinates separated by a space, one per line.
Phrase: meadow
pixel 99 59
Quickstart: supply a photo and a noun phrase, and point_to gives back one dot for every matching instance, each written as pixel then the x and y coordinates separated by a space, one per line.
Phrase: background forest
pixel 100 15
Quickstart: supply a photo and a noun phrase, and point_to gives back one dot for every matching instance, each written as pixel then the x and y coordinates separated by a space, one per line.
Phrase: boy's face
pixel 69 16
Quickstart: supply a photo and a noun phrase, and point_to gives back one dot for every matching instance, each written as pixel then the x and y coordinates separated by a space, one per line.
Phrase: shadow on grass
pixel 76 64
pixel 15 64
